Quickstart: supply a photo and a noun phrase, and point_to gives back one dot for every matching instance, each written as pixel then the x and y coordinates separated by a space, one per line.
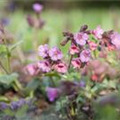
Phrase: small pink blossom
pixel 92 45
pixel 37 7
pixel 52 93
pixel 76 63
pixel 32 69
pixel 60 67
pixel 55 54
pixel 74 49
pixel 111 47
pixel 98 32
pixel 81 38
pixel 85 55
pixel 115 40
pixel 43 50
pixel 44 66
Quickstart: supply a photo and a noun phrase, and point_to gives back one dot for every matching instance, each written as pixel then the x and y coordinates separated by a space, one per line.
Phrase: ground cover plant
pixel 81 83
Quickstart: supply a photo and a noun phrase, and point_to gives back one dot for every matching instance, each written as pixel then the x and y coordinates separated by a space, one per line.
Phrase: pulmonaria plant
pixel 85 74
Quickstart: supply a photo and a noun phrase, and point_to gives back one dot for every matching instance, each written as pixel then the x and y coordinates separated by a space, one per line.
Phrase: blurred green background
pixel 59 15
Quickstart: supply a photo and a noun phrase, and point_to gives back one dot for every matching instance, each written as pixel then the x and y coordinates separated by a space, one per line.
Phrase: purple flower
pixel 21 102
pixel 43 50
pixel 3 105
pixel 85 55
pixel 81 38
pixel 5 21
pixel 37 7
pixel 98 32
pixel 82 83
pixel 14 105
pixel 55 54
pixel 115 40
pixel 44 66
pixel 52 93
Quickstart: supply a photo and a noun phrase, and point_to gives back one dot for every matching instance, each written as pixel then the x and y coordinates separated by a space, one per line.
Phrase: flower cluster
pixel 88 66
pixel 81 46
pixel 84 42
pixel 14 105
pixel 52 60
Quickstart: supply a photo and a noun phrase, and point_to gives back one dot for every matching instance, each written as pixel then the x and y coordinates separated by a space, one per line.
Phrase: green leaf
pixel 34 84
pixel 21 111
pixel 5 99
pixel 15 45
pixel 8 79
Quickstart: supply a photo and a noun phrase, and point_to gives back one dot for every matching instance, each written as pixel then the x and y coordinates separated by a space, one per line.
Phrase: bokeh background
pixel 59 15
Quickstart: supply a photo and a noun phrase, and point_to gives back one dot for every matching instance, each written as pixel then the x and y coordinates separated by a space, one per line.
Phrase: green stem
pixel 52 81
pixel 70 62
pixel 2 66
pixel 8 54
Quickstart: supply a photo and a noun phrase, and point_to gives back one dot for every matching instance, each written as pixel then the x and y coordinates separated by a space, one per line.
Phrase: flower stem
pixel 2 66
pixel 52 82
pixel 8 53
pixel 70 62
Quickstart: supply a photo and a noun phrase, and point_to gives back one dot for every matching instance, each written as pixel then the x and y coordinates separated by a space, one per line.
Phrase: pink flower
pixel 74 49
pixel 111 47
pixel 76 63
pixel 52 93
pixel 94 78
pixel 85 55
pixel 55 54
pixel 32 69
pixel 98 32
pixel 37 7
pixel 92 45
pixel 43 50
pixel 81 38
pixel 44 66
pixel 115 40
pixel 60 67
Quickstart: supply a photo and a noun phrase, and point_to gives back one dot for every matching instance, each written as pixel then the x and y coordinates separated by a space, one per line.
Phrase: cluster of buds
pixel 15 105
pixel 51 61
pixel 36 22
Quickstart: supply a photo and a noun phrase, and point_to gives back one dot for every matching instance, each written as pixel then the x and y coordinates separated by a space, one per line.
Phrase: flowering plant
pixel 87 77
